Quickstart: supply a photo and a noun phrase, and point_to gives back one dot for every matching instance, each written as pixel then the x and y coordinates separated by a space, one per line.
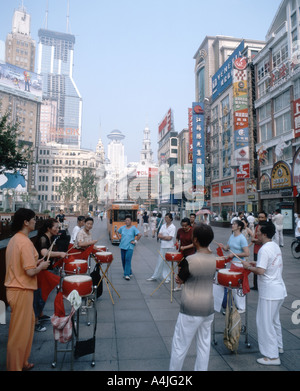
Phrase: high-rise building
pixel 55 65
pixel 20 47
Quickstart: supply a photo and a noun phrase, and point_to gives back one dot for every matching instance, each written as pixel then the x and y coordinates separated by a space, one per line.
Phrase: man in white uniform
pixel 297 230
pixel 166 235
pixel 77 228
pixel 277 220
pixel 271 294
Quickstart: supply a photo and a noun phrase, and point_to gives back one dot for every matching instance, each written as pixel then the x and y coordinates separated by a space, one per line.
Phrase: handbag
pixel 232 330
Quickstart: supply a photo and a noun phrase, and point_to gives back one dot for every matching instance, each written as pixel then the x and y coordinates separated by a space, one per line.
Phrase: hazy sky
pixel 134 58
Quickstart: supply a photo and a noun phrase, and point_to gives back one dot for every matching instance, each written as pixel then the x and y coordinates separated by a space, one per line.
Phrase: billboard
pixel 19 81
pixel 222 79
pixel 198 148
pixel 166 125
pixel 241 118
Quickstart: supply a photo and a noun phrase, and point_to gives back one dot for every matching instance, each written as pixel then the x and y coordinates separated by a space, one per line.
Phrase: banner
pixel 198 149
pixel 241 118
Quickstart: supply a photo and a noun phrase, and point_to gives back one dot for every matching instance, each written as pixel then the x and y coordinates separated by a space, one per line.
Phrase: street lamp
pixel 234 166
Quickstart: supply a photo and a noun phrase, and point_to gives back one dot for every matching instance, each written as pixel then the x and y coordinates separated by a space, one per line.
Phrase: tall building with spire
pixel 146 152
pixel 55 65
pixel 19 46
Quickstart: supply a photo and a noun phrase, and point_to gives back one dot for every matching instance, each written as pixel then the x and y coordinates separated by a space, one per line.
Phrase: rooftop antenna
pixel 46 19
pixel 68 16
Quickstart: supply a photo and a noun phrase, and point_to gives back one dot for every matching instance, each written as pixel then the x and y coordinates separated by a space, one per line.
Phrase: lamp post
pixel 234 166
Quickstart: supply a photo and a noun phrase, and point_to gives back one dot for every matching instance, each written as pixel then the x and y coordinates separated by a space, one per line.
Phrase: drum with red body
pixel 104 257
pixel 220 263
pixel 230 278
pixel 173 257
pixel 82 284
pixel 100 248
pixel 78 266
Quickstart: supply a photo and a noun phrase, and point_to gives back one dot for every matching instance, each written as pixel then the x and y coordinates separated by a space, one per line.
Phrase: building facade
pixel 55 65
pixel 277 72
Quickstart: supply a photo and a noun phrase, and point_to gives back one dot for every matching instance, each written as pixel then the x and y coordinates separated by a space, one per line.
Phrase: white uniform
pixel 271 294
pixel 277 220
pixel 162 269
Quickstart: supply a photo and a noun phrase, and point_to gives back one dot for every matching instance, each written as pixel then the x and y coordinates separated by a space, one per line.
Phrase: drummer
pixel 184 241
pixel 271 294
pixel 84 237
pixel 238 245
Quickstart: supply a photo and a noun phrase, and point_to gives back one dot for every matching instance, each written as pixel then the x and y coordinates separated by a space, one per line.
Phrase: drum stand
pixel 172 270
pixel 244 328
pixel 89 303
pixel 107 281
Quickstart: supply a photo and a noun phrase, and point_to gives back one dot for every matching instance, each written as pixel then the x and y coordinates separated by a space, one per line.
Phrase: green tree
pixel 15 154
pixel 67 189
pixel 86 189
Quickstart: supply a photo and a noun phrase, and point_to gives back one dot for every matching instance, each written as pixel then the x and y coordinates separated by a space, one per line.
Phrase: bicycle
pixel 295 248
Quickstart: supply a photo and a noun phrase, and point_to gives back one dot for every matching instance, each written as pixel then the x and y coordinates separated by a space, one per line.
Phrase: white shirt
pixel 74 234
pixel 278 220
pixel 297 232
pixel 270 284
pixel 167 231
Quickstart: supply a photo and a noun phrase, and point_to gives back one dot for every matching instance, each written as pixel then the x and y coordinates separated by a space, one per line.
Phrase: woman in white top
pixel 271 294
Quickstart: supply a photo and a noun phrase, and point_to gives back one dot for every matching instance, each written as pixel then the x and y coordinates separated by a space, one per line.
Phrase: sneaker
pixel 178 288
pixel 268 361
pixel 43 318
pixel 151 279
pixel 167 282
pixel 281 351
pixel 241 311
pixel 40 328
pixel 127 278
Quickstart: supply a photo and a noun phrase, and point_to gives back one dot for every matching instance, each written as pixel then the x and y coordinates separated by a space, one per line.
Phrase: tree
pixel 67 189
pixel 86 188
pixel 15 154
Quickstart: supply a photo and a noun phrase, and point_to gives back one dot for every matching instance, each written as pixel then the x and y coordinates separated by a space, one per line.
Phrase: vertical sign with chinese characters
pixel 241 120
pixel 198 149
pixel 297 118
pixel 190 161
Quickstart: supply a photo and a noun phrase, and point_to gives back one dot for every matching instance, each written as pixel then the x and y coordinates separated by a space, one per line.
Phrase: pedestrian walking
pixel 130 236
pixel 277 220
pixel 145 219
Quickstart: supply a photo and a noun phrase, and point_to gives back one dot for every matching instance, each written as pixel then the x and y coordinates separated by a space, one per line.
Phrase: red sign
pixel 240 187
pixel 166 122
pixel 243 172
pixel 215 191
pixel 297 117
pixel 240 63
pixel 226 190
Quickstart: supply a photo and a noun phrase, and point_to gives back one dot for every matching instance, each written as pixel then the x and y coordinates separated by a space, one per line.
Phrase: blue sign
pixel 222 79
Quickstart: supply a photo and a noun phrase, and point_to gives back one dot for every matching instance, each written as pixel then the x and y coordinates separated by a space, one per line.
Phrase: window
pixel 280 55
pixel 265 111
pixel 265 132
pixel 282 101
pixel 283 124
pixel 263 69
pixel 297 89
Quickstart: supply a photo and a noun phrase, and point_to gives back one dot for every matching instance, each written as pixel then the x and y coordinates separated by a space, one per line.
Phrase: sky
pixel 133 59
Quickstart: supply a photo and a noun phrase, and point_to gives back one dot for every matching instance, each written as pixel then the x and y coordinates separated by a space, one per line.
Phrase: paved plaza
pixel 135 333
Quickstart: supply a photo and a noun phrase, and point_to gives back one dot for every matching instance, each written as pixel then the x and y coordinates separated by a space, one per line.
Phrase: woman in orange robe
pixel 22 266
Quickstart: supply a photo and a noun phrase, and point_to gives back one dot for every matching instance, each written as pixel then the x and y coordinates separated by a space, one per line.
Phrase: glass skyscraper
pixel 55 65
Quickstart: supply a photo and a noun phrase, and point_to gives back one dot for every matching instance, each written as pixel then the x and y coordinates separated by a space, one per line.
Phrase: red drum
pixel 78 266
pixel 100 248
pixel 229 278
pixel 177 257
pixel 104 257
pixel 220 263
pixel 82 284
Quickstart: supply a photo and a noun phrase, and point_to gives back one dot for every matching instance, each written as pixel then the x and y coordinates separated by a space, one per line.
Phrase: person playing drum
pixel 84 237
pixel 271 294
pixel 197 303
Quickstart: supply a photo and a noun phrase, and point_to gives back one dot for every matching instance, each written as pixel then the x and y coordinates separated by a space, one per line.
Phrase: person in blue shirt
pixel 129 238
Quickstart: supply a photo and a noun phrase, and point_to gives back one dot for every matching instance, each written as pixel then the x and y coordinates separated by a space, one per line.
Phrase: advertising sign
pixel 190 155
pixel 241 118
pixel 281 176
pixel 20 82
pixel 296 171
pixel 265 182
pixel 215 191
pixel 198 144
pixel 226 189
pixel 166 124
pixel 222 79
pixel 297 118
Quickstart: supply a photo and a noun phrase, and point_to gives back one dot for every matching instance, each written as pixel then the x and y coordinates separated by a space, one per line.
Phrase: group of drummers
pixel 196 276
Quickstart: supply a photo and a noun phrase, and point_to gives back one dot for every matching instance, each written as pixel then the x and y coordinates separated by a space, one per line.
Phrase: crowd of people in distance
pixel 25 260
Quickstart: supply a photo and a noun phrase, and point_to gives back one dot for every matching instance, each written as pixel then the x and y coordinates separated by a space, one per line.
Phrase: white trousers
pixel 162 270
pixel 269 327
pixel 279 237
pixel 187 327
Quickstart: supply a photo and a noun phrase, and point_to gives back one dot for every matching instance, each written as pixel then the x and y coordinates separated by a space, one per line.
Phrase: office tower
pixel 20 47
pixel 55 65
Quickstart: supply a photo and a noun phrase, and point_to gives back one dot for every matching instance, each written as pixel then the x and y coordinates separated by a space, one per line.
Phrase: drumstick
pixel 231 252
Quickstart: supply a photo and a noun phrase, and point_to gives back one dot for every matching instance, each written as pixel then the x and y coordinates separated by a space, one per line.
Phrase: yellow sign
pixel 281 176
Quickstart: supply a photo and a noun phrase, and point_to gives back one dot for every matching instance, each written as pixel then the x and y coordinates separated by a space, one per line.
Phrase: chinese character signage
pixel 222 79
pixel 198 145
pixel 281 176
pixel 190 161
pixel 297 117
pixel 240 117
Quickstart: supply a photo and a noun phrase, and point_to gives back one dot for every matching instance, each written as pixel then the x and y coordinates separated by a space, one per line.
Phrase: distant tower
pixel 115 150
pixel 146 152
pixel 19 46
